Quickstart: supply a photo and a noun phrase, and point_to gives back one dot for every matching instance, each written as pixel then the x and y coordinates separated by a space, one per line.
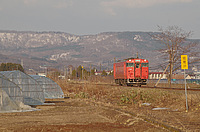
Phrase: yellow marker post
pixel 184 65
pixel 184 62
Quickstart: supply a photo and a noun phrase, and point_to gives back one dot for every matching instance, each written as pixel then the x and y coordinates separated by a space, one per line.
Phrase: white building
pixel 157 75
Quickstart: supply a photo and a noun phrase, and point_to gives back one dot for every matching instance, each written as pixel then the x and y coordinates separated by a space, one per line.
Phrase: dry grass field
pixel 142 101
pixel 100 105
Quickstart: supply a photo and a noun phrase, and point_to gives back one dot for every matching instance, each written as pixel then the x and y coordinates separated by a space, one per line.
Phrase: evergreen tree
pixel 93 71
pixel 79 71
pixel 11 67
pixel 74 74
pixel 104 73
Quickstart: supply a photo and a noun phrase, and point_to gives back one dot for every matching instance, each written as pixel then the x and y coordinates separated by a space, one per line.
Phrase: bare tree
pixel 176 43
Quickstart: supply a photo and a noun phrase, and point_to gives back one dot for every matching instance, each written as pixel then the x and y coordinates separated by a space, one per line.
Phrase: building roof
pixel 155 72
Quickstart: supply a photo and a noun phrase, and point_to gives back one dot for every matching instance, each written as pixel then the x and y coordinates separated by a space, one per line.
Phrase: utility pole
pixel 90 69
pixel 65 72
pixel 82 72
pixel 162 75
pixel 22 63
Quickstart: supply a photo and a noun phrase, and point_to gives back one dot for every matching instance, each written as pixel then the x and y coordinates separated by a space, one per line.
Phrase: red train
pixel 132 71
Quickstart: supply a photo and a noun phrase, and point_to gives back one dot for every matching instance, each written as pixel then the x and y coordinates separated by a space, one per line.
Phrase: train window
pixel 129 64
pixel 137 65
pixel 145 64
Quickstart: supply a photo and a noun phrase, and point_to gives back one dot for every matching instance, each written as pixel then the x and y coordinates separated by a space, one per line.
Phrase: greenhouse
pixel 10 95
pixel 32 91
pixel 51 89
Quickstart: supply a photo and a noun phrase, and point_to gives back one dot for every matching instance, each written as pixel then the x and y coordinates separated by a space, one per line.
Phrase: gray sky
pixel 82 17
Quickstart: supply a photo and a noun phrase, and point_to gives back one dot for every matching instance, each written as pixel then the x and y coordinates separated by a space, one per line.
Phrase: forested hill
pixel 59 49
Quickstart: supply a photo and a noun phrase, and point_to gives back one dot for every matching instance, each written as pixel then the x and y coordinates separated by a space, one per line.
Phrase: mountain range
pixel 38 50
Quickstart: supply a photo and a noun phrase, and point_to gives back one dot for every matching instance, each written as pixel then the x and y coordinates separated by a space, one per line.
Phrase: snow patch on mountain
pixel 137 38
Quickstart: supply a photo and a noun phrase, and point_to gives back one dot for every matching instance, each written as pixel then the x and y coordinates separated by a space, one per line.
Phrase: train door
pixel 130 70
pixel 137 70
pixel 145 70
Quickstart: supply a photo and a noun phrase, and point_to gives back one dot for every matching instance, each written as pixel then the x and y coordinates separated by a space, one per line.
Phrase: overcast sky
pixel 82 17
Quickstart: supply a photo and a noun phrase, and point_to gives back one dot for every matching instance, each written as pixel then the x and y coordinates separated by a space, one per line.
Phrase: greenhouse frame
pixel 10 95
pixel 32 91
pixel 51 89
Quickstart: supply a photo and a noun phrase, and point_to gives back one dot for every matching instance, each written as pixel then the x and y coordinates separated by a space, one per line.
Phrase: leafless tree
pixel 176 43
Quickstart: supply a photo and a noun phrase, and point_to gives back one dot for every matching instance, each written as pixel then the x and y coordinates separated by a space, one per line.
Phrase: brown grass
pixel 132 99
pixel 116 95
pixel 189 85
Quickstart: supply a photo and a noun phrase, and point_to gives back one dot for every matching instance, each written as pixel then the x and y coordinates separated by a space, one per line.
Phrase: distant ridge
pixel 59 49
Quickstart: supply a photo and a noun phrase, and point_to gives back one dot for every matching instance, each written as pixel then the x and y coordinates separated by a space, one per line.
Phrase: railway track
pixel 189 89
pixel 150 87
pixel 167 88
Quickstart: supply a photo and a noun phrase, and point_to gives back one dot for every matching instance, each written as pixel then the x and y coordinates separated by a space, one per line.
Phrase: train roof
pixel 130 59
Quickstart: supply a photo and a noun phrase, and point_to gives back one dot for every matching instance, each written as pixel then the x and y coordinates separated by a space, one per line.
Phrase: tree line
pixel 11 67
pixel 77 73
pixel 82 73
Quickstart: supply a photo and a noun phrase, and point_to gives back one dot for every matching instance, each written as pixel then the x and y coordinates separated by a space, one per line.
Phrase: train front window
pixel 145 64
pixel 129 64
pixel 137 65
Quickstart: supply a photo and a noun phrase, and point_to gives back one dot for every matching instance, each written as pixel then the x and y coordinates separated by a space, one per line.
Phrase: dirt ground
pixel 78 113
pixel 74 115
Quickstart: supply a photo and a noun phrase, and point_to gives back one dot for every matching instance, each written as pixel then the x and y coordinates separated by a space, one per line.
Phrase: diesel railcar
pixel 132 71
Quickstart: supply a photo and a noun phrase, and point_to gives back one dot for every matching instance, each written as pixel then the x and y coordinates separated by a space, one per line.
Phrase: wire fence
pixel 176 81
